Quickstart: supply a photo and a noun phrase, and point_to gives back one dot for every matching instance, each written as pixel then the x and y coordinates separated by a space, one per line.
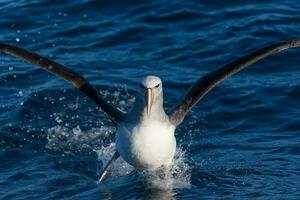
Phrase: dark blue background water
pixel 241 141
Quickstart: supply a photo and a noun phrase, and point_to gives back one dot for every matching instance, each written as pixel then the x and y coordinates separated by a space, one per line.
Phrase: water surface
pixel 240 142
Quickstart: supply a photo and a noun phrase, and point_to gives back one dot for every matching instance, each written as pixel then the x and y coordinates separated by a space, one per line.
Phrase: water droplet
pixel 20 93
pixel 58 120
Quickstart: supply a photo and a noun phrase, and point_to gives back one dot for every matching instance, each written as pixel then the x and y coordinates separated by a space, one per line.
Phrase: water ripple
pixel 240 142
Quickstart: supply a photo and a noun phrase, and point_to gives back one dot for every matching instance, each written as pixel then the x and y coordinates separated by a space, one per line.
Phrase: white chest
pixel 147 145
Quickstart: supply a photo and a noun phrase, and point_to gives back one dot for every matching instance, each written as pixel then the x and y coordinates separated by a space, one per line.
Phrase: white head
pixel 151 90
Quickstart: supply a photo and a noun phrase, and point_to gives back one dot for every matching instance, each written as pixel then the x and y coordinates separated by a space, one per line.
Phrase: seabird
pixel 145 136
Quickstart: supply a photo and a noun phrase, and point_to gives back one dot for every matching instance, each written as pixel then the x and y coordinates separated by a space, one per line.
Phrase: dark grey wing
pixel 70 76
pixel 208 82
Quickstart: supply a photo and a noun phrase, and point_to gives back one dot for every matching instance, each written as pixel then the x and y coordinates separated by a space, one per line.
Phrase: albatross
pixel 145 136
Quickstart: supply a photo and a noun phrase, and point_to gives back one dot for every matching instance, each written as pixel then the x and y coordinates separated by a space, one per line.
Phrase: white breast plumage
pixel 146 145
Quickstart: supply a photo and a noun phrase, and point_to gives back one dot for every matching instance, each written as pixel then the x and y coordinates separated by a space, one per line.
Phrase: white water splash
pixel 64 139
pixel 177 175
pixel 120 167
pixel 121 98
pixel 60 137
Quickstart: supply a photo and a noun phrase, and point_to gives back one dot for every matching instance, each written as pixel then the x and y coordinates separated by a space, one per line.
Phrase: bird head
pixel 151 89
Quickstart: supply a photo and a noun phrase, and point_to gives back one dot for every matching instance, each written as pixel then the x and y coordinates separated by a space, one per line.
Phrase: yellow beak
pixel 149 100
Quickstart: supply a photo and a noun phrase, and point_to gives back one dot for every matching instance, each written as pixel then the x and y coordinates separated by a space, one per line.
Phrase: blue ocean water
pixel 240 142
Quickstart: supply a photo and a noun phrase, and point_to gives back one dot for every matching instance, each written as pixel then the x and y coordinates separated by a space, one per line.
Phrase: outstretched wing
pixel 208 82
pixel 67 74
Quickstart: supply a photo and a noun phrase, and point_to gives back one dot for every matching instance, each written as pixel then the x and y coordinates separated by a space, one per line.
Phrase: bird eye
pixel 157 86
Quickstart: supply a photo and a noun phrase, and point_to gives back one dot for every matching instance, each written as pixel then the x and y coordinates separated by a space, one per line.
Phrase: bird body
pixel 147 145
pixel 145 136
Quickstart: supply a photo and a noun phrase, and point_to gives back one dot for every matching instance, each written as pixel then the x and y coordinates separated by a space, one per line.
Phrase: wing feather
pixel 212 79
pixel 67 74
